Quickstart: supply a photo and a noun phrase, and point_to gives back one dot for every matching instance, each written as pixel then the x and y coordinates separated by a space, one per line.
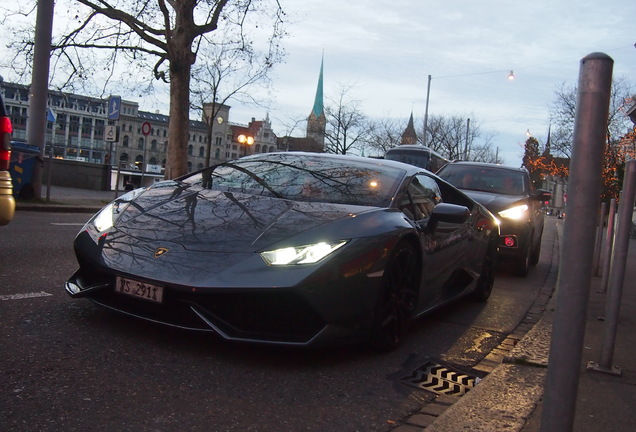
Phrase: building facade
pixel 76 130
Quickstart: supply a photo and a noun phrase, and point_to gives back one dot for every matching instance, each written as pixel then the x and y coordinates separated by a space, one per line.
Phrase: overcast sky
pixel 385 49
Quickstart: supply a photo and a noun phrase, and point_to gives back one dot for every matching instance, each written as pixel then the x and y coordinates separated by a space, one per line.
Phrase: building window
pixel 190 150
pixel 141 143
pixel 201 151
pixel 153 145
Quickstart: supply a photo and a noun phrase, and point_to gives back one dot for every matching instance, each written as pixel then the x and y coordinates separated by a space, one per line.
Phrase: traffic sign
pixel 110 133
pixel 114 107
pixel 146 127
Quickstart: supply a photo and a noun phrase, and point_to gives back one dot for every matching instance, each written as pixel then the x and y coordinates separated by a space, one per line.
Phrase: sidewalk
pixel 510 397
pixel 67 199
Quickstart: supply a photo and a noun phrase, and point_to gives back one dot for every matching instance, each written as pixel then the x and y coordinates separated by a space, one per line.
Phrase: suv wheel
pixel 536 251
pixel 522 265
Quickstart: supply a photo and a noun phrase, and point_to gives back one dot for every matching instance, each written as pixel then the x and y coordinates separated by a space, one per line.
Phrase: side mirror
pixel 542 195
pixel 449 213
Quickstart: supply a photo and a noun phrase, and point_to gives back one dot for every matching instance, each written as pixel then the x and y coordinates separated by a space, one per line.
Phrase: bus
pixel 417 155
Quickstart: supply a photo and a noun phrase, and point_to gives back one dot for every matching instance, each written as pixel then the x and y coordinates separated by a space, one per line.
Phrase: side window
pixel 421 196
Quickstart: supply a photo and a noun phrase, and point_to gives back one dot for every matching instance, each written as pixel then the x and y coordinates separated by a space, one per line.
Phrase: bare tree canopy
pixel 230 69
pixel 346 125
pixel 161 36
pixel 563 112
pixel 454 137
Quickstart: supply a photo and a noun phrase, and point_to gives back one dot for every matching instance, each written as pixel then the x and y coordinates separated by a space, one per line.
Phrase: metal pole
pixel 599 239
pixel 619 260
pixel 467 132
pixel 575 269
pixel 48 175
pixel 609 244
pixel 428 93
pixel 38 95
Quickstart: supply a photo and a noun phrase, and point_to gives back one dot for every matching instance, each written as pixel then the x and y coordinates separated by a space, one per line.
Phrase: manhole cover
pixel 440 379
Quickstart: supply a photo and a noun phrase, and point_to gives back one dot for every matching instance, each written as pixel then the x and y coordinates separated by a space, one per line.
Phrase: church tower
pixel 316 122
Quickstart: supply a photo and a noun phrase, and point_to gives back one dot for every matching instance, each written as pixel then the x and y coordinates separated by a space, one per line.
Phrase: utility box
pixel 23 159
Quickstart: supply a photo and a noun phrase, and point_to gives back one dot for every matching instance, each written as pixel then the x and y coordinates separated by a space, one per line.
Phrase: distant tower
pixel 409 136
pixel 316 122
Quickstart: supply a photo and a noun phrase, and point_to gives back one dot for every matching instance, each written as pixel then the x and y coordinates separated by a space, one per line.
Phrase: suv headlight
pixel 307 254
pixel 515 213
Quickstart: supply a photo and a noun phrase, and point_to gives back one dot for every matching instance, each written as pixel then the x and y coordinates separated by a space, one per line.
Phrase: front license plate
pixel 139 289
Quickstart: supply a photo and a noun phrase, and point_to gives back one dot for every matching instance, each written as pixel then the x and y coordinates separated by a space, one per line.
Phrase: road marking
pixel 68 223
pixel 23 296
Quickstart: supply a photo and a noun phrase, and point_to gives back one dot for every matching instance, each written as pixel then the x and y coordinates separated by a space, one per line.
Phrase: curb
pixel 507 397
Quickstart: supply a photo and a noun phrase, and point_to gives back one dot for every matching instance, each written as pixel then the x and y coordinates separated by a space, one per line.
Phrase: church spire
pixel 318 108
pixel 317 121
pixel 409 136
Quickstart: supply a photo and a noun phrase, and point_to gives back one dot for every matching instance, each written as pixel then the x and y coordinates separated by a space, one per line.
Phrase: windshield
pixel 418 158
pixel 478 178
pixel 304 178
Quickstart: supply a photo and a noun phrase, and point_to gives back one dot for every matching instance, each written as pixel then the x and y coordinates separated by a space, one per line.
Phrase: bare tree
pixel 457 137
pixel 346 125
pixel 163 36
pixel 384 134
pixel 563 112
pixel 230 69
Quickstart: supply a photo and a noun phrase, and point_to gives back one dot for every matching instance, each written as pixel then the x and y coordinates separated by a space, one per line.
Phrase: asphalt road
pixel 70 365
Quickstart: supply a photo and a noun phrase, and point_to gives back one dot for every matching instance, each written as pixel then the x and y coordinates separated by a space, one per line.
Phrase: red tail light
pixel 6 129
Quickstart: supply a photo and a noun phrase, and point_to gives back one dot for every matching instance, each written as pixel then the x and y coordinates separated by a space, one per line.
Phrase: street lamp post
pixel 511 76
pixel 428 93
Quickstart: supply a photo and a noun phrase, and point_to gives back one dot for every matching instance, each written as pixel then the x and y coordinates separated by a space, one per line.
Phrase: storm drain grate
pixel 440 379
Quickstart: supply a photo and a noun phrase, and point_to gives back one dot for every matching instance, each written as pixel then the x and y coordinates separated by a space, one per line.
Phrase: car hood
pixel 495 202
pixel 208 220
pixel 198 237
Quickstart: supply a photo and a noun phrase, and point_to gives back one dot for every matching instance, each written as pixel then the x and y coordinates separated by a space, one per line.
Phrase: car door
pixel 442 248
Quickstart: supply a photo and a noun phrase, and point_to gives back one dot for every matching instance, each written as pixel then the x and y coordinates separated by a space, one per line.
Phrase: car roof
pixel 409 147
pixel 410 169
pixel 489 165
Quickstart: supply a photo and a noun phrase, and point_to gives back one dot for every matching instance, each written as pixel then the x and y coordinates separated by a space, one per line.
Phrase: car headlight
pixel 107 216
pixel 515 213
pixel 307 254
pixel 104 219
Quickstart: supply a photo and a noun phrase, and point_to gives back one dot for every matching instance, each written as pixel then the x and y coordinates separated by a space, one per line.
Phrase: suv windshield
pixel 500 181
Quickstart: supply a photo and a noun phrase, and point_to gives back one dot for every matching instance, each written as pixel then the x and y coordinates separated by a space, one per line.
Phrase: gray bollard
pixel 575 268
pixel 617 273
pixel 609 244
pixel 599 240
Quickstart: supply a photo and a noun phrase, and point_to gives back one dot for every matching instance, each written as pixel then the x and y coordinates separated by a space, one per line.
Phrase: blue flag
pixel 50 115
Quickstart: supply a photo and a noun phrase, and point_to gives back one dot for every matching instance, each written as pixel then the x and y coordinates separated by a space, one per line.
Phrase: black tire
pixel 536 251
pixel 522 264
pixel 397 298
pixel 487 277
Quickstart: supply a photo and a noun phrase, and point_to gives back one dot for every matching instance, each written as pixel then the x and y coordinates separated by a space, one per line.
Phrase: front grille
pixel 277 315
pixel 273 315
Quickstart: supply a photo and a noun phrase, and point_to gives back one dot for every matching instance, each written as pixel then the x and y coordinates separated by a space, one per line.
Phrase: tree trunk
pixel 179 124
